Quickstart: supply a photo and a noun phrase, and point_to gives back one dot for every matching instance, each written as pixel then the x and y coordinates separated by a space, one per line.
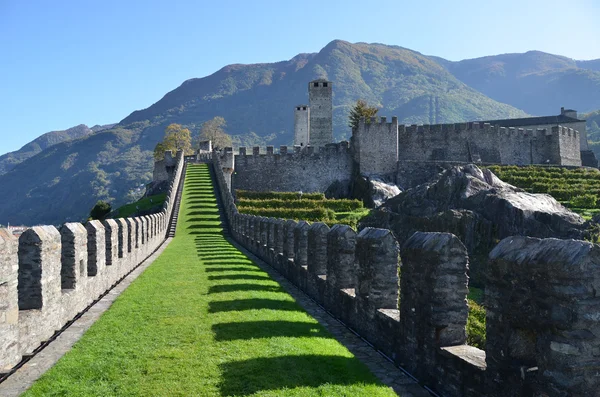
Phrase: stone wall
pixel 309 170
pixel 375 147
pixel 50 275
pixel 543 326
pixel 473 142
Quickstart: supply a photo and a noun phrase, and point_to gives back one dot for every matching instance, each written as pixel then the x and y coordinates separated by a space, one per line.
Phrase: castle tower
pixel 321 112
pixel 301 125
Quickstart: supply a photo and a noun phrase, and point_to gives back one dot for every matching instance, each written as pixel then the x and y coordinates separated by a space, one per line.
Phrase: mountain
pixel 65 180
pixel 9 160
pixel 259 98
pixel 537 82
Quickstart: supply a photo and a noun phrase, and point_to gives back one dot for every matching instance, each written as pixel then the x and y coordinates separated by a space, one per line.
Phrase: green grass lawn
pixel 143 204
pixel 204 320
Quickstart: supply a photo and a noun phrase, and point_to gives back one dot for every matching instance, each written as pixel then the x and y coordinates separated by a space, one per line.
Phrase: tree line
pixel 177 137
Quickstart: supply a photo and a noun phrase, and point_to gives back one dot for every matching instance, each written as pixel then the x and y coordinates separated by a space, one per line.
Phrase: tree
pixel 100 210
pixel 361 109
pixel 176 138
pixel 213 130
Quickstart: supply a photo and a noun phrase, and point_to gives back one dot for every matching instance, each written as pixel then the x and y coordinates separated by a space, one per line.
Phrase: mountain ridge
pixel 257 100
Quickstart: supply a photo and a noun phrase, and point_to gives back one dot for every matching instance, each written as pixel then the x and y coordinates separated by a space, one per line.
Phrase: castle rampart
pixel 50 275
pixel 312 169
pixel 543 332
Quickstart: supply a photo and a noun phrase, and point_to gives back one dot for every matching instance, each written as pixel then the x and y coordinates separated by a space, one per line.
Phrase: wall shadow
pixel 267 329
pixel 215 289
pixel 252 304
pixel 233 269
pixel 205 206
pixel 224 262
pixel 239 277
pixel 242 378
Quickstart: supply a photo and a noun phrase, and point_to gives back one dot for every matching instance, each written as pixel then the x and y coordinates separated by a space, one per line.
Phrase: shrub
pixel 584 201
pixel 100 210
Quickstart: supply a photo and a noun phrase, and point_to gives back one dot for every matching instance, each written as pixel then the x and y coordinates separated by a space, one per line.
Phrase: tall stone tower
pixel 321 112
pixel 301 125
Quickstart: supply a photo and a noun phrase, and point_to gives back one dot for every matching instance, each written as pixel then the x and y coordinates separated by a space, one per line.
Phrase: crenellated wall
pixel 49 275
pixel 309 169
pixel 377 152
pixel 543 327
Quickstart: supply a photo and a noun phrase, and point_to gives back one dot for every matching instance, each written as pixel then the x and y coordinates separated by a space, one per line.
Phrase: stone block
pixel 301 243
pixel 317 248
pixel 74 254
pixel 96 247
pixel 9 301
pixel 341 265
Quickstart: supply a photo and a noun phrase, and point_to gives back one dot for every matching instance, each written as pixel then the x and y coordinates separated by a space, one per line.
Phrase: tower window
pixel 315 84
pixel 324 84
pixel 304 108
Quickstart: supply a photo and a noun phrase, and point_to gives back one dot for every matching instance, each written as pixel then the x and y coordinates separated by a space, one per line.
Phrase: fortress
pixel 405 155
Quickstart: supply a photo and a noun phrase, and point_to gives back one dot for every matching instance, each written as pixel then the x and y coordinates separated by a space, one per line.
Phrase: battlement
pixel 418 317
pixel 291 153
pixel 50 274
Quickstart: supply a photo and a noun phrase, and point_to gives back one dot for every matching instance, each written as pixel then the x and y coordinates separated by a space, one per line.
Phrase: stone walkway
pixel 387 372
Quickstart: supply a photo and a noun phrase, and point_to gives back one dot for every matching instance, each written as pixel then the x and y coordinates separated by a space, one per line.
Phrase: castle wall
pixel 163 169
pixel 309 170
pixel 356 277
pixel 50 275
pixel 483 143
pixel 568 143
pixel 320 96
pixel 376 146
pixel 301 125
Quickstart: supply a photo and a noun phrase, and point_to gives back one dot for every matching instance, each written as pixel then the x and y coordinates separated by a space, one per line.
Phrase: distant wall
pixel 163 169
pixel 465 142
pixel 49 275
pixel 310 169
pixel 376 146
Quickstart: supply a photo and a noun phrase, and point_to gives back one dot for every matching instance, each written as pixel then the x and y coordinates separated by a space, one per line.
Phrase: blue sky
pixel 64 63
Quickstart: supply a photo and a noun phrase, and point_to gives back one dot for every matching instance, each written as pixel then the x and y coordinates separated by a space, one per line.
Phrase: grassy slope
pixel 143 204
pixel 204 320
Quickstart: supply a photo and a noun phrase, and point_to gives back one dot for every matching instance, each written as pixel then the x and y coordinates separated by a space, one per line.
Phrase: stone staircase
pixel 175 214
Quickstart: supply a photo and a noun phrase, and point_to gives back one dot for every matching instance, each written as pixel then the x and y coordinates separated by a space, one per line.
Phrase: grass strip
pixel 204 320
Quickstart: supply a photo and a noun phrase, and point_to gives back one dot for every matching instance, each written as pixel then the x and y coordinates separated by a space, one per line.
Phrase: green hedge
pixel 246 194
pixel 311 215
pixel 335 205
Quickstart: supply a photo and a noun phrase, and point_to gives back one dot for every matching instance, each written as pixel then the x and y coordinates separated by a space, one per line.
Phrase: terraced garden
pixel 204 320
pixel 311 207
pixel 578 189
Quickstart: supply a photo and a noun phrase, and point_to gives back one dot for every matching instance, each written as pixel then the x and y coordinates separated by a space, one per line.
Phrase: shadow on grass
pixel 239 277
pixel 209 212
pixel 243 378
pixel 267 329
pixel 207 231
pixel 229 262
pixel 233 269
pixel 215 289
pixel 207 220
pixel 252 304
pixel 200 207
